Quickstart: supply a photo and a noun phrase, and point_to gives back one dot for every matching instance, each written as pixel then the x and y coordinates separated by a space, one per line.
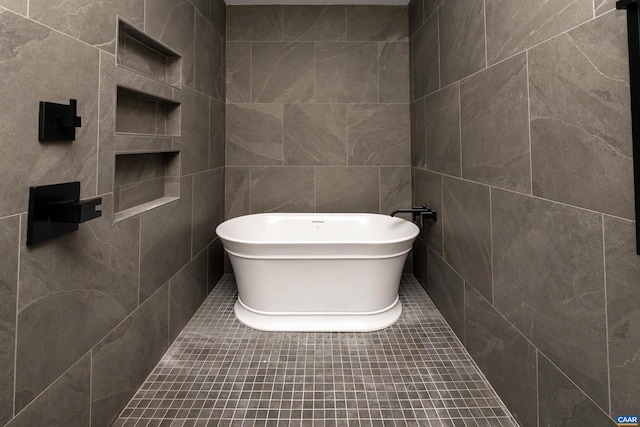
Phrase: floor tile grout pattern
pixel 219 372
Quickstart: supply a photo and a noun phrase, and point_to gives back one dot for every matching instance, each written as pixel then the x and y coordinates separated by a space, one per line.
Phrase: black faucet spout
pixel 418 213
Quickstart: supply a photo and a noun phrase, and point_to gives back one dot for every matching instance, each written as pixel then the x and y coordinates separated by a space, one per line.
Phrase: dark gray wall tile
pixel 495 126
pixel 580 118
pixel 19 6
pixel 418 120
pixel 377 23
pixel 462 42
pixel 254 23
pixel 216 134
pixel 446 289
pixel 124 358
pixel 562 404
pixel 65 403
pixel 427 190
pixel 238 72
pixel 90 276
pixel 138 193
pixel 315 135
pixel 138 57
pixel 549 282
pixel 425 51
pixel 513 27
pixel 219 16
pixel 215 263
pixel 194 143
pixel 237 200
pixel 504 356
pixel 254 135
pixel 171 23
pixel 623 314
pixel 282 72
pixel 416 18
pixel 165 241
pixel 9 245
pixel 379 134
pixel 203 7
pixel 421 262
pixel 209 74
pixel 394 72
pixel 89 21
pixel 283 189
pixel 31 54
pixel 208 195
pixel 346 72
pixel 395 189
pixel 187 290
pixel 442 131
pixel 466 217
pixel 347 189
pixel 315 23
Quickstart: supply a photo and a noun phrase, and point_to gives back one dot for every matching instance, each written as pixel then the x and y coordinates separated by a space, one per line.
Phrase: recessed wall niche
pixel 146 114
pixel 143 181
pixel 145 55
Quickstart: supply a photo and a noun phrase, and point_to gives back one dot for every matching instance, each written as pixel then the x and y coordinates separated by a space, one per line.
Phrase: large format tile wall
pixel 85 317
pixel 317 109
pixel 521 139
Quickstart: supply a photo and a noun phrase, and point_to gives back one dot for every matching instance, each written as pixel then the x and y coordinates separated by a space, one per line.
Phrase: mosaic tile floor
pixel 219 372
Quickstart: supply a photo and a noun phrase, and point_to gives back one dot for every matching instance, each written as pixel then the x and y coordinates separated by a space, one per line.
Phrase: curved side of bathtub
pixel 327 274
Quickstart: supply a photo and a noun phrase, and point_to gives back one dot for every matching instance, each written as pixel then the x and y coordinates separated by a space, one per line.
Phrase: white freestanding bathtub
pixel 317 272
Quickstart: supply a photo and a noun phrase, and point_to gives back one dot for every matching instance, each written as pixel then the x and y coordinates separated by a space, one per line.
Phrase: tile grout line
pixel 606 313
pixel 460 124
pixel 493 297
pixel 486 47
pixel 529 121
pixel 98 124
pixel 90 385
pixel 537 386
pixel 15 338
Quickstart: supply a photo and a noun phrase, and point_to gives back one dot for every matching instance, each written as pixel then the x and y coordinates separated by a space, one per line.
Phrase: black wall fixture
pixel 633 26
pixel 58 122
pixel 56 209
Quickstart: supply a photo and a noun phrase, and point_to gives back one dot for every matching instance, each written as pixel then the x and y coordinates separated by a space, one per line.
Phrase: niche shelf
pixel 145 114
pixel 145 55
pixel 144 181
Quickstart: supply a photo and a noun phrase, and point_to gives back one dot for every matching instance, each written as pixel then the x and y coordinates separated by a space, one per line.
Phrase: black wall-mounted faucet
pixel 58 122
pixel 419 212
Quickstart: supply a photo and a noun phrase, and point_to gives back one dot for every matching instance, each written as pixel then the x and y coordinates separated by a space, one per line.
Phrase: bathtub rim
pixel 414 234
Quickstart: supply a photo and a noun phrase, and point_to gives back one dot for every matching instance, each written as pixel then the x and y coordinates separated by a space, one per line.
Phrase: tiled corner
pixel 504 355
pixel 562 403
pixel 165 240
pixel 65 403
pixel 346 72
pixel 237 183
pixel 462 41
pixel 124 358
pixel 377 23
pixel 187 290
pixel 194 141
pixel 35 52
pixel 395 188
pixel 513 27
pixel 425 52
pixel 218 16
pixel 379 134
pixel 623 314
pixel 394 72
pixel 284 189
pixel 427 190
pixel 442 131
pixel 99 264
pixel 420 260
pixel 580 118
pixel 495 126
pixel 549 282
pixel 347 189
pixel 208 196
pixel 418 119
pixel 209 73
pixel 315 23
pixel 315 135
pixel 91 22
pixel 216 133
pixel 254 23
pixel 254 135
pixel 446 289
pixel 467 232
pixel 215 264
pixel 9 244
pixel 416 8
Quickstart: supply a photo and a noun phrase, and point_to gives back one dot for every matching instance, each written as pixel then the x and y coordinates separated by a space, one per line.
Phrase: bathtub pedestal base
pixel 318 322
